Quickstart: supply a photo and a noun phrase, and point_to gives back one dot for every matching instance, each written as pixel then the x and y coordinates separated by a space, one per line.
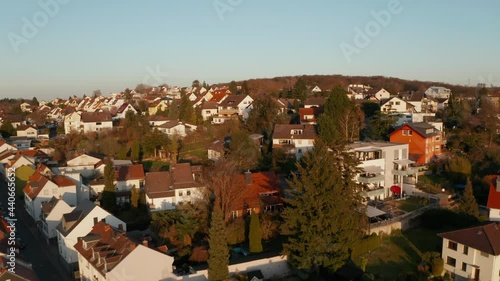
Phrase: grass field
pixel 409 205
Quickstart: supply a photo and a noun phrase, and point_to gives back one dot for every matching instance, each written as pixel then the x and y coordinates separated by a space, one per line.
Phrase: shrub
pixel 437 266
pixel 366 245
pixel 236 232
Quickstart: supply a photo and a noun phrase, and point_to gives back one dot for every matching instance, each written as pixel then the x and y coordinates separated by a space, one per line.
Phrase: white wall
pixel 55 216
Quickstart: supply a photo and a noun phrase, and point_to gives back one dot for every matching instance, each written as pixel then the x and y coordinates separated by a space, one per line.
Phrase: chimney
pixel 248 177
pixel 145 243
pixel 498 183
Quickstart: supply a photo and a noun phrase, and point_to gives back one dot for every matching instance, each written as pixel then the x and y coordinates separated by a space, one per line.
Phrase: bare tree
pixel 224 184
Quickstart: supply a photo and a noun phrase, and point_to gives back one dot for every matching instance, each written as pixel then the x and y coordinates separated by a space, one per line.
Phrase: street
pixel 44 258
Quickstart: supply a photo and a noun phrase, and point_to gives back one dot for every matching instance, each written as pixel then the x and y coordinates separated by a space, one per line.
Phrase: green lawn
pixel 153 165
pixel 395 256
pixel 425 240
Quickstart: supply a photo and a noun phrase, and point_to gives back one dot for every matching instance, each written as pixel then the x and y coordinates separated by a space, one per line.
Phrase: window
pixel 464 266
pixel 98 123
pixel 410 133
pixel 466 250
pixel 452 245
pixel 404 132
pixel 437 138
pixel 180 193
pixel 485 254
pixel 451 261
pixel 398 103
pixel 234 214
pixel 188 193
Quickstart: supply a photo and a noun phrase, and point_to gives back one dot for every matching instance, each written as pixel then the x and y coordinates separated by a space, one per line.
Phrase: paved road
pixel 45 263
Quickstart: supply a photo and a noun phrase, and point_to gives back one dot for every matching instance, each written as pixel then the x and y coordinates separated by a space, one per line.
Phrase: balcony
pixel 371 178
pixel 374 192
pixel 405 171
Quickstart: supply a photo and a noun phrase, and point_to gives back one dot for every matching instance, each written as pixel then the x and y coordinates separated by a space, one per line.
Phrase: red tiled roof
pixel 314 111
pixel 110 245
pixel 218 96
pixel 158 185
pixel 35 184
pixel 485 238
pixel 130 172
pixel 33 153
pixel 62 181
pixel 90 117
pixel 494 195
pixel 254 193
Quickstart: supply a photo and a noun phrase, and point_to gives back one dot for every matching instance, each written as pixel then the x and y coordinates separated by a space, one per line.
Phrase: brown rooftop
pixel 485 238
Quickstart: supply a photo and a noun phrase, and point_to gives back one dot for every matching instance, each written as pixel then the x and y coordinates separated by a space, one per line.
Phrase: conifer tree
pixel 134 197
pixel 108 193
pixel 468 205
pixel 324 216
pixel 218 251
pixel 255 234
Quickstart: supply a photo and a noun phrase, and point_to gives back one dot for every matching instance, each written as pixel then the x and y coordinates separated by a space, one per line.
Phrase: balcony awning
pixel 404 161
pixel 367 149
pixel 372 212
pixel 372 169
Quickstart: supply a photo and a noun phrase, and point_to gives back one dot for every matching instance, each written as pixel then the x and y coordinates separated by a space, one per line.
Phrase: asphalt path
pixel 44 257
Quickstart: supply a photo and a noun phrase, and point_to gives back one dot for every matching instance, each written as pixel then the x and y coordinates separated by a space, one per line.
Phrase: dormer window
pixel 296 132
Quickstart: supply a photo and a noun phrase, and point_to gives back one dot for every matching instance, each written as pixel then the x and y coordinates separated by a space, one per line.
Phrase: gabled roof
pixel 63 181
pixel 485 238
pixel 129 172
pixel 284 131
pixel 70 220
pixel 233 100
pixel 421 128
pixel 35 184
pixel 494 195
pixel 170 124
pixel 315 111
pixel 315 101
pixel 260 188
pixel 24 127
pixel 158 185
pixel 109 245
pixel 91 117
pixel 154 118
pixel 209 105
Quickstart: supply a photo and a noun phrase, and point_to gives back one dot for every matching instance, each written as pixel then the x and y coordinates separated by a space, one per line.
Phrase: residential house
pixel 56 114
pixel 96 121
pixel 23 270
pixel 121 113
pixel 21 143
pixel 159 105
pixel 72 123
pixel 295 139
pixel 41 188
pixel 314 102
pixel 260 192
pixel 239 105
pixel 357 91
pixel 209 109
pixel 424 140
pixel 309 115
pixel 385 169
pixel 126 177
pixel 396 105
pixel 52 213
pixel 83 164
pixel 166 190
pixel 157 120
pixel 5 146
pixel 472 253
pixel 438 92
pixel 173 127
pixel 25 107
pixel 316 89
pixel 442 103
pixel 382 94
pixel 27 131
pixel 414 98
pixel 218 148
pixel 79 223
pixel 107 254
pixel 494 198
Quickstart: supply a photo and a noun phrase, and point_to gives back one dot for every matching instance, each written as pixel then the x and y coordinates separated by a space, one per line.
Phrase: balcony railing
pixel 374 192
pixel 371 179
pixel 405 171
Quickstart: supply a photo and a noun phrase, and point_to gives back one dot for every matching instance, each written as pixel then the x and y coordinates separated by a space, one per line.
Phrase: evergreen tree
pixel 255 234
pixel 244 88
pixel 134 197
pixel 35 101
pixel 186 110
pixel 218 251
pixel 233 88
pixel 324 216
pixel 108 193
pixel 300 90
pixel 135 151
pixel 265 113
pixel 468 205
pixel 122 153
pixel 7 130
pixel 341 121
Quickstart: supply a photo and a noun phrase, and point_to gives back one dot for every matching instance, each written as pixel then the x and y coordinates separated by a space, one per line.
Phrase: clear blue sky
pixel 111 45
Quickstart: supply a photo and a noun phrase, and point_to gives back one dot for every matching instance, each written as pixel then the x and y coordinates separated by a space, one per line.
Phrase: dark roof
pixel 315 101
pixel 170 124
pixel 209 105
pixel 154 118
pixel 90 117
pixel 417 96
pixel 283 131
pixel 485 238
pixel 158 185
pixel 232 100
pixel 422 128
pixel 129 172
pixel 71 220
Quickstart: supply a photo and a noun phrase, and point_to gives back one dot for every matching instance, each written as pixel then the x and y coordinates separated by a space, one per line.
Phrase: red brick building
pixel 423 139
